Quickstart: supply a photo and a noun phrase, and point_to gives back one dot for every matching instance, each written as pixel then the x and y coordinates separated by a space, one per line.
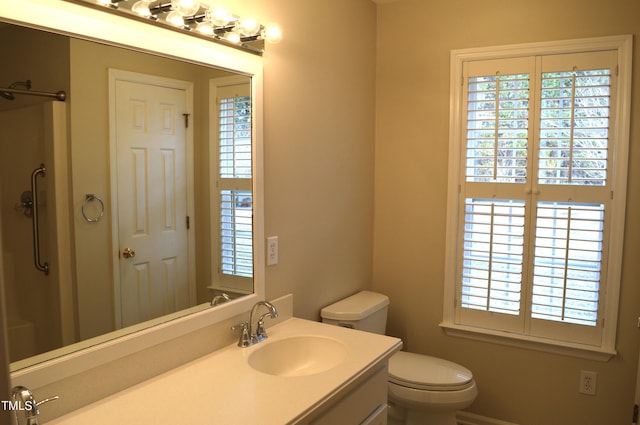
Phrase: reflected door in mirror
pixel 152 201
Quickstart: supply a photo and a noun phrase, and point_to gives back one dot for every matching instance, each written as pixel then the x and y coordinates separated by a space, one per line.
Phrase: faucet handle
pixel 24 397
pixel 245 339
pixel 47 400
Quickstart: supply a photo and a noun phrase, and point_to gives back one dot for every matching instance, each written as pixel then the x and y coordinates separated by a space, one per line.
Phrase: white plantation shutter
pixel 535 193
pixel 234 132
pixel 235 218
pixel 493 255
pixel 568 262
pixel 574 127
pixel 497 128
pixel 236 233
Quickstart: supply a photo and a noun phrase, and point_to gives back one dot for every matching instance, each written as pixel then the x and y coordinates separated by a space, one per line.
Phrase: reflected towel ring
pixel 99 211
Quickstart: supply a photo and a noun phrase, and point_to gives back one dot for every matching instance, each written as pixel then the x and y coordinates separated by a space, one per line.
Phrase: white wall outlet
pixel 272 250
pixel 588 380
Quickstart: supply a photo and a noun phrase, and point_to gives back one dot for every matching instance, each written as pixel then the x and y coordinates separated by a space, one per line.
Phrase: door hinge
pixel 186 120
pixel 188 223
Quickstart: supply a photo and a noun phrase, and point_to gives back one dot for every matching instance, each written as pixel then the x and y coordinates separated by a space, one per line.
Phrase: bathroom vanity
pixel 304 373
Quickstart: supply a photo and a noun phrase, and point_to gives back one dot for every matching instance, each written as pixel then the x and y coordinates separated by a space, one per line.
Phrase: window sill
pixel 530 343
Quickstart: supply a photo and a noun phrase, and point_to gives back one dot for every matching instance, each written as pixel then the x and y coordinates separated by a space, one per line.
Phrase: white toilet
pixel 423 390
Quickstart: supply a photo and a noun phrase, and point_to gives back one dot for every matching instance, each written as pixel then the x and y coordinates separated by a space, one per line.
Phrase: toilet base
pixel 411 406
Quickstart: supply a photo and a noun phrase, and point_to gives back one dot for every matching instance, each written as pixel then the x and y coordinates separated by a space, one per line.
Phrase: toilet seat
pixel 428 373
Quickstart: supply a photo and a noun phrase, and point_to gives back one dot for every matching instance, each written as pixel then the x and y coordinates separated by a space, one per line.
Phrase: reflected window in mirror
pixel 233 257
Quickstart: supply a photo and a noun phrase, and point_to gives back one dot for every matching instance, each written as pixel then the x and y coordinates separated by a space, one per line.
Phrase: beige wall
pixel 525 387
pixel 319 91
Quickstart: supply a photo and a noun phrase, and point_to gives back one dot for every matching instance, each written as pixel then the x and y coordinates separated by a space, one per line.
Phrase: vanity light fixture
pixel 196 17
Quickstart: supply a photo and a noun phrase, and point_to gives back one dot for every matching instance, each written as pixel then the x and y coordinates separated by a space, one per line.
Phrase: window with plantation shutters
pixel 234 109
pixel 536 199
pixel 234 226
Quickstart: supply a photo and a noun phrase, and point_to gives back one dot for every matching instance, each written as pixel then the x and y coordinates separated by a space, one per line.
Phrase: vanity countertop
pixel 222 388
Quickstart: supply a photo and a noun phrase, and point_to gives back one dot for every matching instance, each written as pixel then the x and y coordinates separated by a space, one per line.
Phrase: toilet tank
pixel 366 311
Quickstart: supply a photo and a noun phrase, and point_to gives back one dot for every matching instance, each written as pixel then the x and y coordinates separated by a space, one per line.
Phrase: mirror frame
pixel 86 23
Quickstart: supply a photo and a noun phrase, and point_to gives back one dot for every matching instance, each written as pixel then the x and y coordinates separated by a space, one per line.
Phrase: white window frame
pixel 619 130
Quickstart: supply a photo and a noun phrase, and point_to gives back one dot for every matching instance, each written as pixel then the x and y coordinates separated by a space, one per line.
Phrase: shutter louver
pixel 497 128
pixel 236 232
pixel 567 262
pixel 574 127
pixel 493 255
pixel 235 137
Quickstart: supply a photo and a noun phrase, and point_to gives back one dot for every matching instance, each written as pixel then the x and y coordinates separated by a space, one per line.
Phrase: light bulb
pixel 218 17
pixel 205 27
pixel 185 7
pixel 249 26
pixel 104 2
pixel 175 19
pixel 141 8
pixel 272 33
pixel 232 37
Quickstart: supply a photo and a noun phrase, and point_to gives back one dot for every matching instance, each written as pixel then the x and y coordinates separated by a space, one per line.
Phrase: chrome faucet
pixel 252 335
pixel 22 400
pixel 219 299
pixel 260 333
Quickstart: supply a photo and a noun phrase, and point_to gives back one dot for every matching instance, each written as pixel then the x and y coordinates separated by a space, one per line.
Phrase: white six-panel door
pixel 152 199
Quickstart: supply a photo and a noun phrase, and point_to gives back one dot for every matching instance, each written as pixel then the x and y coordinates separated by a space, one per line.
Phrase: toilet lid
pixel 428 373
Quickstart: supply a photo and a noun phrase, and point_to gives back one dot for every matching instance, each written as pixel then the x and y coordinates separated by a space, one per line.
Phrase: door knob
pixel 128 253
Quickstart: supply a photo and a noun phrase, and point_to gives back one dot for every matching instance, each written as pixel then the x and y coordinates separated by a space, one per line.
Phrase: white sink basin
pixel 298 355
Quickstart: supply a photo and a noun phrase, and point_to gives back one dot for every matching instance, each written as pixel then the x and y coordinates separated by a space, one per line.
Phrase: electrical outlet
pixel 588 380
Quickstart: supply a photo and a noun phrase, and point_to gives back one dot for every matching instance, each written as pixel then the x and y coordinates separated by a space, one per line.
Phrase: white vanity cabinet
pixel 363 404
pixel 353 392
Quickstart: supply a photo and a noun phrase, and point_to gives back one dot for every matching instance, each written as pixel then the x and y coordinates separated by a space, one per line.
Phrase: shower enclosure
pixel 36 225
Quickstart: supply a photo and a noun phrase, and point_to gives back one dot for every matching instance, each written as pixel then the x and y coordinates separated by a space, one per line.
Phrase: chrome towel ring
pixel 95 213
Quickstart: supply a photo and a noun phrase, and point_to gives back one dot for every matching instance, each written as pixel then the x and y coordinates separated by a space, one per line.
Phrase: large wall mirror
pixel 147 203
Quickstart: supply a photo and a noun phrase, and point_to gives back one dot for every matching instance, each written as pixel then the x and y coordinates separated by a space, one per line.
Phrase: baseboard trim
pixel 466 418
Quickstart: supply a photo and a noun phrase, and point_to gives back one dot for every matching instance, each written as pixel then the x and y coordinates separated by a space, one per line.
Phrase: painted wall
pixel 414 40
pixel 319 93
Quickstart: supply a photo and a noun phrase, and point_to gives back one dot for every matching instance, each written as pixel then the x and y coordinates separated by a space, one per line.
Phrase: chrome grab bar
pixel 34 218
